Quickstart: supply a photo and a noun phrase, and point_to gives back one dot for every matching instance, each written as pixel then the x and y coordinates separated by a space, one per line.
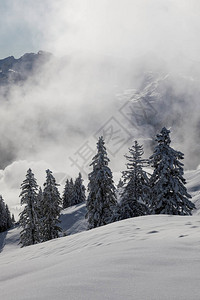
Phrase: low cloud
pixel 100 49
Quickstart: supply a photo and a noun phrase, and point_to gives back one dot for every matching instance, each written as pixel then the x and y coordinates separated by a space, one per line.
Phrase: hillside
pixel 73 218
pixel 193 186
pixel 140 258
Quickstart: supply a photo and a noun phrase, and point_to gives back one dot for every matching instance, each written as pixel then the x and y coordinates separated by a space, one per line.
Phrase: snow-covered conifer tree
pixel 51 208
pixel 135 194
pixel 29 233
pixel 8 218
pixel 79 190
pixel 13 219
pixel 3 215
pixel 101 200
pixel 169 194
pixel 66 195
pixel 70 196
pixel 39 203
pixel 39 214
pixel 72 193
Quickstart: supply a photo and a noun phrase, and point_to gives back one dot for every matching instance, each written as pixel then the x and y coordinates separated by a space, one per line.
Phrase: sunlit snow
pixel 150 257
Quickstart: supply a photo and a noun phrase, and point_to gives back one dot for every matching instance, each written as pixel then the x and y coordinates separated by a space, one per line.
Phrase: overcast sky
pixel 112 27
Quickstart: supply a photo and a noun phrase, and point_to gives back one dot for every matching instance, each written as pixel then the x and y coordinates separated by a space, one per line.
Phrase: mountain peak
pixel 22 67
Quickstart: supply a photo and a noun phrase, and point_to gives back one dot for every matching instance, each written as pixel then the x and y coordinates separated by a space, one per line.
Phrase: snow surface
pixel 193 186
pixel 151 257
pixel 73 219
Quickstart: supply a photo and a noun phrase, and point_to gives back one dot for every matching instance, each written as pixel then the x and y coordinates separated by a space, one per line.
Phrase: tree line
pixel 161 192
pixel 40 217
pixel 6 220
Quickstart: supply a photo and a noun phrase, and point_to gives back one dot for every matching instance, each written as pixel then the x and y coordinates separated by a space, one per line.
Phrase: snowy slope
pixel 153 257
pixel 9 240
pixel 73 219
pixel 193 186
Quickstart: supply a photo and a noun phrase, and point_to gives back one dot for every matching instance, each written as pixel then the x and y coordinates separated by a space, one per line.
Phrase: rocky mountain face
pixel 15 71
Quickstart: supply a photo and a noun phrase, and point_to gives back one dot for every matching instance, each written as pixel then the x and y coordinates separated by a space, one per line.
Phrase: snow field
pixel 144 258
pixel 151 257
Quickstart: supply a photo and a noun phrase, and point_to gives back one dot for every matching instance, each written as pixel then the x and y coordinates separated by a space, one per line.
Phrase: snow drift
pixel 152 257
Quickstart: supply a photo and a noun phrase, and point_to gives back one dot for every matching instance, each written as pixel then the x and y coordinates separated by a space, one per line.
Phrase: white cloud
pixel 14 174
pixel 65 103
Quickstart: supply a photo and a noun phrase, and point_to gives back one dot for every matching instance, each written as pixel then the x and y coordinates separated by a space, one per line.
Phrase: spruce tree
pixel 13 219
pixel 39 214
pixel 29 233
pixel 101 200
pixel 70 196
pixel 135 194
pixel 39 203
pixel 66 195
pixel 72 193
pixel 79 190
pixel 9 222
pixel 3 215
pixel 169 194
pixel 51 207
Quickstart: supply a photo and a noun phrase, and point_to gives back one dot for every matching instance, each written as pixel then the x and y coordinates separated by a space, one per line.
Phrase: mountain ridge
pixel 16 70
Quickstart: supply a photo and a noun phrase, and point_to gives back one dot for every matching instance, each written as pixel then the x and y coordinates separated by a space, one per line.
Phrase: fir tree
pixel 9 222
pixel 51 207
pixel 29 233
pixel 3 215
pixel 39 214
pixel 135 194
pixel 72 193
pixel 13 219
pixel 66 195
pixel 79 190
pixel 101 200
pixel 39 204
pixel 70 196
pixel 169 194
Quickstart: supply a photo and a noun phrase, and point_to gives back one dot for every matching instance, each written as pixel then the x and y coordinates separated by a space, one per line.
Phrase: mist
pixel 100 49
